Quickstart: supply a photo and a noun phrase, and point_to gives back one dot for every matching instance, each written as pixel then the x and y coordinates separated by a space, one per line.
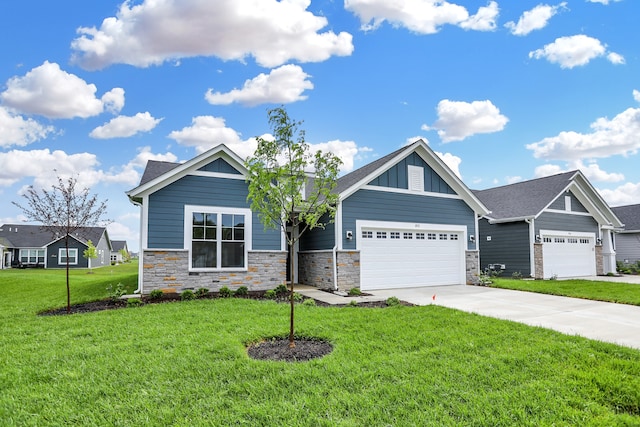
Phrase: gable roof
pixel 34 236
pixel 630 216
pixel 160 174
pixel 528 199
pixel 352 182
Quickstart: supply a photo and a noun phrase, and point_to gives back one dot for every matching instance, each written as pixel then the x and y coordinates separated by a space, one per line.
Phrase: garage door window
pixel 394 235
pixel 420 236
pixel 381 234
pixel 443 236
pixel 408 236
pixel 454 237
pixel 367 234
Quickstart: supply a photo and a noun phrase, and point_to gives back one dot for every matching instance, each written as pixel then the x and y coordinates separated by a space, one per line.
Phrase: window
pixel 217 238
pixel 32 256
pixel 443 236
pixel 583 241
pixel 547 240
pixel 408 236
pixel 431 236
pixel 394 235
pixel 420 236
pixel 559 239
pixel 73 256
pixel 367 234
pixel 381 234
pixel 572 240
pixel 453 237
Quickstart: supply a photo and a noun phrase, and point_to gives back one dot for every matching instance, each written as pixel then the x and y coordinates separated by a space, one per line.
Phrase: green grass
pixel 185 364
pixel 624 293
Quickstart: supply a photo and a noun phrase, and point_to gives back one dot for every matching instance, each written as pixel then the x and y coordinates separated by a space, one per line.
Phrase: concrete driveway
pixel 614 323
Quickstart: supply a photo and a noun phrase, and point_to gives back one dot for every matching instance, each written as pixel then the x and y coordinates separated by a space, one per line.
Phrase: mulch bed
pixel 278 350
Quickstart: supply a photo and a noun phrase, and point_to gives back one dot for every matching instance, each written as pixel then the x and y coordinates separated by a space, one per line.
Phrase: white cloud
pixel 534 19
pixel 19 131
pixel 459 120
pixel 145 154
pixel 50 92
pixel 618 136
pixel 592 171
pixel 152 32
pixel 125 126
pixel 573 51
pixel 421 16
pixel 636 95
pixel 626 194
pixel 282 86
pixel 513 179
pixel 344 150
pixel 547 170
pixel 605 2
pixel 451 160
pixel 113 100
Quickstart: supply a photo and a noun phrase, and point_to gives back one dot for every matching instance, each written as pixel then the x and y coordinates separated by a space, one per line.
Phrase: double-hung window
pixel 32 256
pixel 73 256
pixel 217 238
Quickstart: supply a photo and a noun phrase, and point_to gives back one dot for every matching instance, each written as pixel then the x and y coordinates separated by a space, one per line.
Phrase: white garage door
pixel 397 257
pixel 567 254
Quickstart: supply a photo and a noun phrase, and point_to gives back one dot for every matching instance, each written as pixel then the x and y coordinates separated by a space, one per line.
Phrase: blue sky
pixel 503 91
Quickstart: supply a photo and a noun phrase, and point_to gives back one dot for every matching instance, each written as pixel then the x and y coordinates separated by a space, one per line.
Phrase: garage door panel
pixel 566 254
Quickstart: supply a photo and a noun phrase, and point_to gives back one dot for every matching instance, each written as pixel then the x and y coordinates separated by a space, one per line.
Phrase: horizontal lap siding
pixel 566 222
pixel 398 207
pixel 509 245
pixel 166 210
pixel 628 247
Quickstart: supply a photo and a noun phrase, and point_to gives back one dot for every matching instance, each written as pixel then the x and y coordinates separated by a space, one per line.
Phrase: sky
pixel 502 91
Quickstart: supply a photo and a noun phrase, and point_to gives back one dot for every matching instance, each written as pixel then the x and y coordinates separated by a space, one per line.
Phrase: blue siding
pixel 53 251
pixel 318 238
pixel 509 245
pixel 576 206
pixel 387 206
pixel 396 176
pixel 166 210
pixel 219 165
pixel 566 222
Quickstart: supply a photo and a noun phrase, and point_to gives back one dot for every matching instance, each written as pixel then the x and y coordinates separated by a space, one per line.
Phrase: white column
pixel 608 254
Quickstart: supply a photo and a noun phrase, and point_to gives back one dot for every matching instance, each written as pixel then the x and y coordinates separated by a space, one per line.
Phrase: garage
pixel 399 255
pixel 568 254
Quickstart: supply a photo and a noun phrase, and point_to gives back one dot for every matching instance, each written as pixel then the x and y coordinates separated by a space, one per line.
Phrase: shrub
pixel 309 302
pixel 187 295
pixel 554 277
pixel 281 289
pixel 516 275
pixel 134 302
pixel 353 303
pixel 225 292
pixel 155 294
pixel 297 297
pixel 354 292
pixel 270 294
pixel 115 292
pixel 202 292
pixel 242 291
pixel 392 301
pixel 484 279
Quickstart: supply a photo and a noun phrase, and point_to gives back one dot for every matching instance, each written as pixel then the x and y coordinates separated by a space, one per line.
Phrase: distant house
pixel 403 220
pixel 557 226
pixel 27 245
pixel 628 239
pixel 117 247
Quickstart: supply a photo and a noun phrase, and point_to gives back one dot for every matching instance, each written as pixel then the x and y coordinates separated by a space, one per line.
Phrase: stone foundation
pixel 168 271
pixel 472 262
pixel 599 261
pixel 538 262
pixel 315 268
pixel 348 270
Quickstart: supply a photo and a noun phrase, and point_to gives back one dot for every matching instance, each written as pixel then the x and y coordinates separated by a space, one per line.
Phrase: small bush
pixel 134 302
pixel 225 292
pixel 355 292
pixel 309 302
pixel 187 295
pixel 484 279
pixel 202 292
pixel 554 277
pixel 516 275
pixel 281 289
pixel 297 297
pixel 270 294
pixel 155 294
pixel 115 292
pixel 353 303
pixel 392 301
pixel 242 291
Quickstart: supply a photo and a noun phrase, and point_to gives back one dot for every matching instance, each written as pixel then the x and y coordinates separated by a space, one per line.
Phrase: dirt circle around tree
pixel 277 349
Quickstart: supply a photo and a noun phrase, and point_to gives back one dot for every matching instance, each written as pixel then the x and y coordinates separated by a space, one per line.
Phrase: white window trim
pixel 248 221
pixel 28 251
pixel 61 252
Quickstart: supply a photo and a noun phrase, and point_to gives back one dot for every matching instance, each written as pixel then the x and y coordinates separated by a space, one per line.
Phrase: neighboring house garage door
pixel 409 255
pixel 567 254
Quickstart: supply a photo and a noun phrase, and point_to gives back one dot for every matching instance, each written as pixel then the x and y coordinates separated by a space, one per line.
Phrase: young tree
pixel 90 253
pixel 125 255
pixel 289 186
pixel 63 211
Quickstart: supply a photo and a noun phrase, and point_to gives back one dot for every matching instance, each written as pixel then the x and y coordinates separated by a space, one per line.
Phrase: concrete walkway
pixel 609 322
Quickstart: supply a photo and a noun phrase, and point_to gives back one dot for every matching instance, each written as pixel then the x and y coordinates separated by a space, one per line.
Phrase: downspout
pixel 140 251
pixel 335 267
pixel 338 243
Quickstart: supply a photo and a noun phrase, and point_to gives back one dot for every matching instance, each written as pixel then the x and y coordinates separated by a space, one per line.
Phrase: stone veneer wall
pixel 315 268
pixel 537 261
pixel 472 262
pixel 168 270
pixel 348 270
pixel 599 261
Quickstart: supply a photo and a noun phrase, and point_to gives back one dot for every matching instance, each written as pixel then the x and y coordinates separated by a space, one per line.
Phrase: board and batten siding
pixel 565 222
pixel 396 176
pixel 166 210
pixel 318 238
pixel 220 166
pixel 559 203
pixel 627 247
pixel 401 207
pixel 508 245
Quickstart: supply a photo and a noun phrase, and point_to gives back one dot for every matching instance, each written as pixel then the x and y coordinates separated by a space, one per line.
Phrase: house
pixel 32 246
pixel 117 248
pixel 628 240
pixel 557 226
pixel 403 220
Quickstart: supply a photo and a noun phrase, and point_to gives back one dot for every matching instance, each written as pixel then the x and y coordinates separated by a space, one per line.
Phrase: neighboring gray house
pixel 117 247
pixel 404 220
pixel 628 240
pixel 557 226
pixel 28 245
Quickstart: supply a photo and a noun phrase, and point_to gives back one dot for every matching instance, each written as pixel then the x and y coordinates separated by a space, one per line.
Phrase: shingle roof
pixel 34 236
pixel 156 168
pixel 523 199
pixel 118 245
pixel 629 215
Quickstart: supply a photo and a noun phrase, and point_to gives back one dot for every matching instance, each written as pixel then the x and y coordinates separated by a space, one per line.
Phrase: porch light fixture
pixel 538 238
pixel 472 238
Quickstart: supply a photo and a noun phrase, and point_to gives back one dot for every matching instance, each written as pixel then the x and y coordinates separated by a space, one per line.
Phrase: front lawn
pixel 185 364
pixel 624 293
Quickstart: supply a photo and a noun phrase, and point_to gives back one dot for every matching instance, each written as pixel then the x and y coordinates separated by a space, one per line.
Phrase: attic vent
pixel 416 178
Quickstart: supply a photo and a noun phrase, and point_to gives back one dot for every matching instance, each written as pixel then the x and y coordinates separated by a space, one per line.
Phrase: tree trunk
pixel 292 343
pixel 66 248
